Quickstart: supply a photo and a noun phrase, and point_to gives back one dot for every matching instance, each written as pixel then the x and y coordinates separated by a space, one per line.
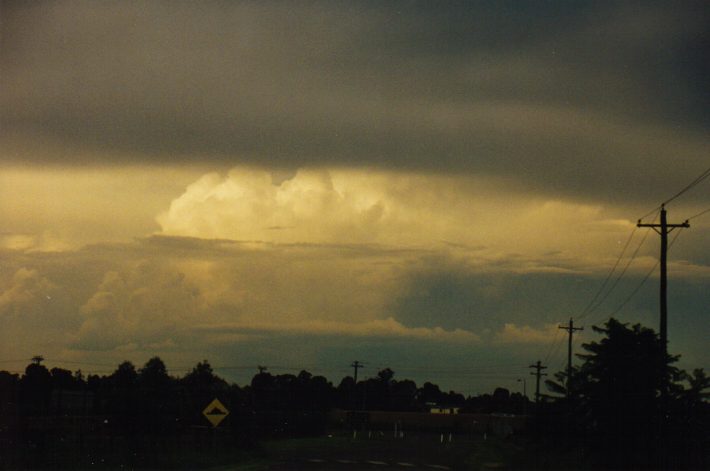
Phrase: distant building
pixel 443 410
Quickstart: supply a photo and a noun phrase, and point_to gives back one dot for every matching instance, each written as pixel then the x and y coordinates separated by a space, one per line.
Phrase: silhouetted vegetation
pixel 628 407
pixel 61 418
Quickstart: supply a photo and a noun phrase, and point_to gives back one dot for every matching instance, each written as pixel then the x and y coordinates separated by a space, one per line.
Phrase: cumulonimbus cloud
pixel 464 215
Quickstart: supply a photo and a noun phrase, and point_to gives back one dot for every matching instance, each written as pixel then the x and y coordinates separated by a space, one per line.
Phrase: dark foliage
pixel 614 410
pixel 629 404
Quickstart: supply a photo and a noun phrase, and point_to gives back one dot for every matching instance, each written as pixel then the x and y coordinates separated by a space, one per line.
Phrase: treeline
pixel 139 393
pixel 135 416
pixel 624 405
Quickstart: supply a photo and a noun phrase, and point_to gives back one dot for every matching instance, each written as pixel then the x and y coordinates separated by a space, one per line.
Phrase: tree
pixel 404 395
pixel 62 379
pixel 617 393
pixel 8 394
pixel 125 376
pixel 346 394
pixel 430 393
pixel 385 376
pixel 154 374
pixel 202 380
pixel 158 397
pixel 35 388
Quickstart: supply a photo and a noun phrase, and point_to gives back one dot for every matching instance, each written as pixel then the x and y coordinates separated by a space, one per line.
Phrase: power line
pixel 699 214
pixel 74 362
pixel 554 346
pixel 608 277
pixel 488 367
pixel 688 187
pixel 638 287
pixel 594 304
pixel 633 293
pixel 557 349
pixel 705 174
pixel 618 278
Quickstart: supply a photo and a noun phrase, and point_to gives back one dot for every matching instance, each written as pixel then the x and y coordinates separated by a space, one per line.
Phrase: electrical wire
pixel 699 214
pixel 638 287
pixel 633 293
pixel 613 269
pixel 688 187
pixel 557 348
pixel 618 278
pixel 594 304
pixel 553 346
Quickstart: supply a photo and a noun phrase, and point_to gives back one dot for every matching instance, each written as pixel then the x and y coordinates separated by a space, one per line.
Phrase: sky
pixel 430 187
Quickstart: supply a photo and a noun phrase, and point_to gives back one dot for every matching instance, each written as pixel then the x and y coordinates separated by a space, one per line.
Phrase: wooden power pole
pixel 663 229
pixel 538 367
pixel 570 329
pixel 356 365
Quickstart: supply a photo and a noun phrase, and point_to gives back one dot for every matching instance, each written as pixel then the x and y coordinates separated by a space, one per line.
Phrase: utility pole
pixel 356 365
pixel 663 229
pixel 262 369
pixel 570 329
pixel 538 367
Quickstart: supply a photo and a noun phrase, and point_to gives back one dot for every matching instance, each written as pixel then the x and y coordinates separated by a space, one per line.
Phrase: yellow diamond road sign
pixel 215 412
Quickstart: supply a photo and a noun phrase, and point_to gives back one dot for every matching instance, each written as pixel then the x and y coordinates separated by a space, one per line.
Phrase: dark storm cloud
pixel 456 296
pixel 564 97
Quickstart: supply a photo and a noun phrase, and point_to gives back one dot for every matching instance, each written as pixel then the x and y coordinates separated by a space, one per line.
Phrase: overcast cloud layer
pixel 423 185
pixel 577 98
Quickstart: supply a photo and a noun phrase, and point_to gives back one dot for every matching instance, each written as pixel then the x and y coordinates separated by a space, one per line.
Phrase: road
pixel 347 464
pixel 417 453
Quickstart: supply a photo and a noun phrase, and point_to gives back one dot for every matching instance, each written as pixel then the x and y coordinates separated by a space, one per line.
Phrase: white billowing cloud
pixel 313 206
pixel 516 334
pixel 27 294
pixel 147 305
pixel 34 311
pixel 478 218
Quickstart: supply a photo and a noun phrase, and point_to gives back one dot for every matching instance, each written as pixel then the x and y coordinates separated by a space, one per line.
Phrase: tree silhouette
pixel 35 389
pixel 158 404
pixel 154 375
pixel 623 375
pixel 202 380
pixel 125 376
pixel 617 397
